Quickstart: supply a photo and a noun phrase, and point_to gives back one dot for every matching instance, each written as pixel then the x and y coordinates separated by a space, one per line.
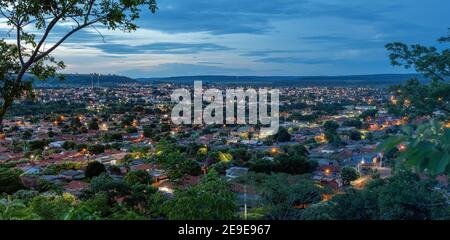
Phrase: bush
pixel 94 169
pixel 10 181
pixel 349 174
pixel 55 169
pixel 137 177
pixel 96 149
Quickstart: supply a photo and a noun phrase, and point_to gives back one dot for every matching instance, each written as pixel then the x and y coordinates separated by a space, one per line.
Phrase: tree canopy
pixel 415 98
pixel 212 199
pixel 34 25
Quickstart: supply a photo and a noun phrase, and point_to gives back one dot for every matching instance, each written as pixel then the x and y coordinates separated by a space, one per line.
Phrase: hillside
pixel 85 80
pixel 380 80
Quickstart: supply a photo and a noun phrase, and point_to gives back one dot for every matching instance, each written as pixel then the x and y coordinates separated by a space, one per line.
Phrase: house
pixel 236 172
pixel 57 144
pixel 75 187
pixel 157 174
pixel 32 171
pixel 112 159
pixel 72 175
pixel 142 166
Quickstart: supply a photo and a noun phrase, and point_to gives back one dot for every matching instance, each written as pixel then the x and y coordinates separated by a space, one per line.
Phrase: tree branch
pixel 46 53
pixel 86 17
pixel 19 43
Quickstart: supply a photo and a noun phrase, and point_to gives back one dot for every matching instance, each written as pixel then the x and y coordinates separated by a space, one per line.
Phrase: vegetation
pixel 94 169
pixel 403 197
pixel 349 174
pixel 292 160
pixel 415 98
pixel 212 199
pixel 9 181
pixel 18 60
pixel 285 197
pixel 425 149
pixel 330 129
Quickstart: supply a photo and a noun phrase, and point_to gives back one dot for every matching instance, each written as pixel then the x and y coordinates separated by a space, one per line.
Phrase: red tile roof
pixel 76 186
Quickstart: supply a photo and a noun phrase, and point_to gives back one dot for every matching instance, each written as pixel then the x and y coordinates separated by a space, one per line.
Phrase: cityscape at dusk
pixel 224 110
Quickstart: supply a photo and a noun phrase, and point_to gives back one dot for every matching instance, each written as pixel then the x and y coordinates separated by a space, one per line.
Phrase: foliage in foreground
pixel 403 197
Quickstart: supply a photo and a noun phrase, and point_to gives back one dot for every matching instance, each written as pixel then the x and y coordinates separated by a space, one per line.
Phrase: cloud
pixel 160 48
pixel 292 60
pixel 210 63
pixel 265 53
pixel 221 17
pixel 254 16
pixel 184 69
pixel 324 38
pixel 294 37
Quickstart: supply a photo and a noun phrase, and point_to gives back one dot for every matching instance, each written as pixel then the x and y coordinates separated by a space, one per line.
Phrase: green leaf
pixel 438 162
pixel 391 143
pixel 415 156
pixel 446 137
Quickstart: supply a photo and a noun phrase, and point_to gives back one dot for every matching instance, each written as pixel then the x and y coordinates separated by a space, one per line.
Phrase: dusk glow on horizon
pixel 281 37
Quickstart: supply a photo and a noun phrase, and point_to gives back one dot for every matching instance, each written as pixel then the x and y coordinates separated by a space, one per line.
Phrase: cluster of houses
pixel 361 154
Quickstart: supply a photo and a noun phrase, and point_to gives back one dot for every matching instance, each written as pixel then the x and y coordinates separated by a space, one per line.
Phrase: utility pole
pixel 245 202
pixel 245 198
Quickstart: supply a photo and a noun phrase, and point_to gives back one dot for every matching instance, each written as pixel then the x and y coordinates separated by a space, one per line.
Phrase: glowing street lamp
pixel 394 100
pixel 104 127
pixel 274 150
pixel 447 125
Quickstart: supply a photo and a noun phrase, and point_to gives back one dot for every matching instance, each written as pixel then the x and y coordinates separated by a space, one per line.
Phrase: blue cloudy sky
pixel 260 37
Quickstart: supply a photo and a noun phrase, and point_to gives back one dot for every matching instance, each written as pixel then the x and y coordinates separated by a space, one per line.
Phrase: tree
pixel 414 98
pixel 368 114
pixel 293 164
pixel 52 207
pixel 426 149
pixel 113 187
pixel 283 135
pixel 388 199
pixel 96 149
pixel 353 123
pixel 94 169
pixel 10 181
pixel 178 164
pixel 148 132
pixel 354 135
pixel 30 55
pixel 137 177
pixel 284 197
pixel 211 199
pixel 293 160
pixel 349 174
pixel 14 209
pixel 93 124
pixel 75 123
pixel 261 165
pixel 330 129
pixel 67 145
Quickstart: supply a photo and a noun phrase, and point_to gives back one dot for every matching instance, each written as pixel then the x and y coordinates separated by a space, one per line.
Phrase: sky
pixel 265 37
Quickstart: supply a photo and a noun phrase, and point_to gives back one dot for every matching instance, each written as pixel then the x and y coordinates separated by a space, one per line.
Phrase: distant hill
pixel 85 80
pixel 380 80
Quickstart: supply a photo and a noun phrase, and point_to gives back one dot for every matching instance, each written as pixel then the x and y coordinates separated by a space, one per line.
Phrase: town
pixel 224 110
pixel 116 146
